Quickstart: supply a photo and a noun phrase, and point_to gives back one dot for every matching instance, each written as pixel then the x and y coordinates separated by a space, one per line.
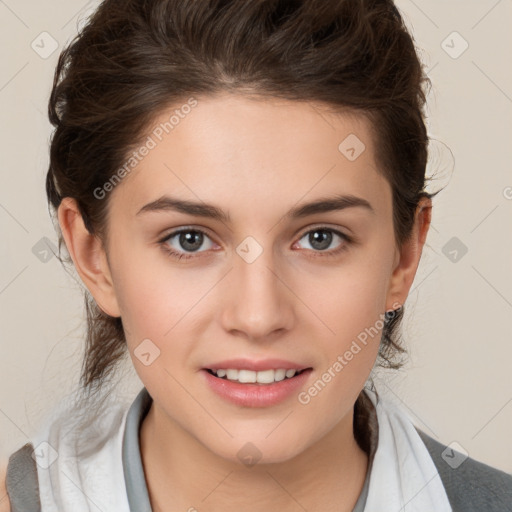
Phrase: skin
pixel 255 160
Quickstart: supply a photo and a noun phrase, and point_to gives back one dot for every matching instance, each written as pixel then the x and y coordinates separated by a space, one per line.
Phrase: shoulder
pixel 5 504
pixel 20 486
pixel 470 485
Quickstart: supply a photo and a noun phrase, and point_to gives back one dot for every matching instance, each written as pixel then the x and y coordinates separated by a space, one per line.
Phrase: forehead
pixel 234 150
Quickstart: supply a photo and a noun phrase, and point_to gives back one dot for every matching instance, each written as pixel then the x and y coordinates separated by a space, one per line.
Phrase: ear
pixel 88 255
pixel 408 256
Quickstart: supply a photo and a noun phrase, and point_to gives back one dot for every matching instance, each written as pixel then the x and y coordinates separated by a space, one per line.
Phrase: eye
pixel 322 237
pixel 187 239
pixel 184 242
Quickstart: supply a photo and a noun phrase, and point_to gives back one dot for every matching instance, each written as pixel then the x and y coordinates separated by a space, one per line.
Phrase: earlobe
pixel 409 256
pixel 88 255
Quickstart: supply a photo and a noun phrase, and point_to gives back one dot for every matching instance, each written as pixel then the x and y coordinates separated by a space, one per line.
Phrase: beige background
pixel 457 386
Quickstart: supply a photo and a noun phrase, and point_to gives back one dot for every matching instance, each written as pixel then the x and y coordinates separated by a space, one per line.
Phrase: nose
pixel 258 301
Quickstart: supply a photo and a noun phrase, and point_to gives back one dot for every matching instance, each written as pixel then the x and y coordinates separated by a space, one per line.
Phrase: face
pixel 262 279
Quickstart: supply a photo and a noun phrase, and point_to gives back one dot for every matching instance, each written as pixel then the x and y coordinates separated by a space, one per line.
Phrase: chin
pixel 256 452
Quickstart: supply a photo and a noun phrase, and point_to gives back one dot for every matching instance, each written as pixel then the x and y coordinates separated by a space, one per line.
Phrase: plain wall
pixel 457 385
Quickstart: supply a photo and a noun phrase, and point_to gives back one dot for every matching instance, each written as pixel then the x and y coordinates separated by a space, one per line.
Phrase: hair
pixel 135 58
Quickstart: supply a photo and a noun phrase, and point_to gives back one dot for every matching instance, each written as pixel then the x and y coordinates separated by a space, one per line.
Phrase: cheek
pixel 147 290
pixel 350 300
pixel 145 298
pixel 159 301
pixel 353 320
pixel 349 308
pixel 154 315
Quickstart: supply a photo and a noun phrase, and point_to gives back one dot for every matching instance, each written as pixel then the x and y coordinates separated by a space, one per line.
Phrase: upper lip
pixel 256 366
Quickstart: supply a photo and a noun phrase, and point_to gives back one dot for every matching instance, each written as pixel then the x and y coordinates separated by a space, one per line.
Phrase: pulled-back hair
pixel 135 58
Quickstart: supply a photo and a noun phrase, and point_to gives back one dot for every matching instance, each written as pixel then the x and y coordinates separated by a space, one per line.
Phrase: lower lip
pixel 256 395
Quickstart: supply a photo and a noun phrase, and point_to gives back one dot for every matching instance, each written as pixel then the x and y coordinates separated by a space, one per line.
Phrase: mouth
pixel 251 388
pixel 264 377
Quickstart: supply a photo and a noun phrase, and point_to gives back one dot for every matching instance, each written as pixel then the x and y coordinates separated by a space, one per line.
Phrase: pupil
pixel 195 240
pixel 325 239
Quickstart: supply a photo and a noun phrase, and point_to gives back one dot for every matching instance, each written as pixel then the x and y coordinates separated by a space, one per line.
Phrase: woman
pixel 241 188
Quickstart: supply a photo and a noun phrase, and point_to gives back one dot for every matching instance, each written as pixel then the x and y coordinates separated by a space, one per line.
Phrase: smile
pixel 250 376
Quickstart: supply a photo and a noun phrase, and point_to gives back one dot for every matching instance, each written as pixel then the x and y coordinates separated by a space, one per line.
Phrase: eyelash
pixel 347 240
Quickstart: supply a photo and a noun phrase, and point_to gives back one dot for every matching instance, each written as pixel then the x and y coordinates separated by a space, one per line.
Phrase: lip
pixel 256 395
pixel 256 366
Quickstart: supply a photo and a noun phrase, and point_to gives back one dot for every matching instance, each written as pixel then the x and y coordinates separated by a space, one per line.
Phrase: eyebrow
pixel 322 205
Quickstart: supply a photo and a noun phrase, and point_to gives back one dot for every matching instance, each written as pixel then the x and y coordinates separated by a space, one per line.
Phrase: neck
pixel 181 473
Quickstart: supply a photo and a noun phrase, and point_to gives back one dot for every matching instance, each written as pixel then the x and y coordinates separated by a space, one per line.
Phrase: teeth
pixel 249 376
pixel 279 375
pixel 232 374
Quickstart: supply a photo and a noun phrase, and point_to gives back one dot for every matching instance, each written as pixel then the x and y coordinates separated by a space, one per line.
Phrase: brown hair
pixel 134 58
